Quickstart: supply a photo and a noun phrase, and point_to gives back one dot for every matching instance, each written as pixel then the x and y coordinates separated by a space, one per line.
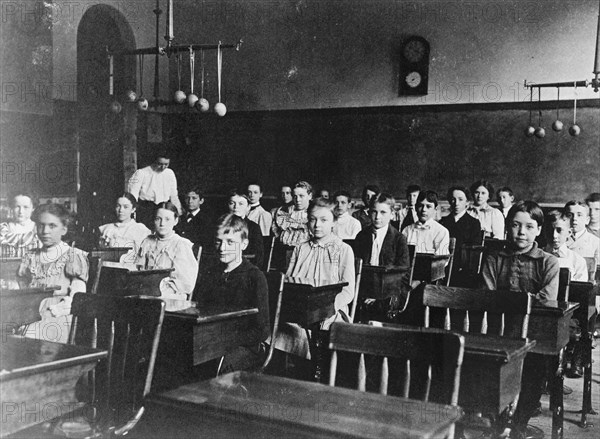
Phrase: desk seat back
pixel 503 313
pixel 129 329
pixel 417 363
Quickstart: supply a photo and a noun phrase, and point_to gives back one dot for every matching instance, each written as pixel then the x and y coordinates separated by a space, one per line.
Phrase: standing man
pixel 153 185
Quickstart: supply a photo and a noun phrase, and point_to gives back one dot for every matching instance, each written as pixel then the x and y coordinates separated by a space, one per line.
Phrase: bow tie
pixel 422 226
pixel 253 207
pixel 556 253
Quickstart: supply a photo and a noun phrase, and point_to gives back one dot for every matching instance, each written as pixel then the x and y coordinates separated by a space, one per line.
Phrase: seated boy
pixel 593 202
pixel 381 244
pixel 523 267
pixel 462 226
pixel 240 205
pixel 558 232
pixel 506 199
pixel 408 214
pixel 583 242
pixel 196 224
pixel 369 192
pixel 257 213
pixel 232 283
pixel 427 235
pixel 346 226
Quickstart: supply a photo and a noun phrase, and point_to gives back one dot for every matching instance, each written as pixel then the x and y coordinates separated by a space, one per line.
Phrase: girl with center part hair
pixel 325 259
pixel 166 249
pixel 17 237
pixel 491 219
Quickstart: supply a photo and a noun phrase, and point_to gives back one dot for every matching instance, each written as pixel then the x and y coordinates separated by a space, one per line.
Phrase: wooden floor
pixel 572 404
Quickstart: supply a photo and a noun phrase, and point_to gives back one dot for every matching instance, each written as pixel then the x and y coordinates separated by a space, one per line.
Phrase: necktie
pixel 375 251
pixel 408 219
pixel 189 217
pixel 253 207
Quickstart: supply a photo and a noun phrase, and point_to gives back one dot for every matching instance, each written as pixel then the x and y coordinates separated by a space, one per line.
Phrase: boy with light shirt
pixel 234 283
pixel 558 232
pixel 408 214
pixel 240 205
pixel 257 213
pixel 427 235
pixel 381 244
pixel 583 242
pixel 593 202
pixel 369 192
pixel 523 267
pixel 346 226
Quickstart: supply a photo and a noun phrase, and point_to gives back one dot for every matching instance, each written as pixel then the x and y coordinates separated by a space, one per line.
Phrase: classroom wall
pixel 434 146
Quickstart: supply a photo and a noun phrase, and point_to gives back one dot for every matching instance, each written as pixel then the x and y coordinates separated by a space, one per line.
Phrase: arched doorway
pixel 102 135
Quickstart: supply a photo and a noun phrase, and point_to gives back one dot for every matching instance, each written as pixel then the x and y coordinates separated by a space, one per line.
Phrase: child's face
pixel 505 199
pixel 164 221
pixel 286 194
pixel 579 217
pixel 324 194
pixel 320 222
pixel 369 195
pixel 22 208
pixel 124 209
pixel 193 201
pixel 523 231
pixel 381 214
pixel 458 202
pixel 301 198
pixel 411 200
pixel 558 232
pixel 342 204
pixel 230 246
pixel 594 211
pixel 254 193
pixel 425 210
pixel 481 196
pixel 238 206
pixel 50 229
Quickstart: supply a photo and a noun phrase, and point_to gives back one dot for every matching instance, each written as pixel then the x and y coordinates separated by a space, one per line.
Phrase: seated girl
pixel 55 264
pixel 125 231
pixel 491 219
pixel 233 283
pixel 19 236
pixel 166 249
pixel 325 259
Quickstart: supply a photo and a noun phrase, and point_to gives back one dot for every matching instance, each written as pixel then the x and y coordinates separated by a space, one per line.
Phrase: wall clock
pixel 414 66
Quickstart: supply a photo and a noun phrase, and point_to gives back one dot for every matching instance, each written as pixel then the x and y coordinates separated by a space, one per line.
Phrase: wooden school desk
pixel 378 282
pixel 37 380
pixel 193 336
pixel 585 294
pixel 308 303
pixel 20 307
pixel 112 254
pixel 549 327
pixel 125 280
pixel 8 271
pixel 429 268
pixel 246 405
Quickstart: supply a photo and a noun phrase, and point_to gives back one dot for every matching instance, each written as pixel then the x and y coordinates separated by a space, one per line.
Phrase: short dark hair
pixel 235 192
pixel 383 198
pixel 168 206
pixel 343 194
pixel 505 189
pixel 370 187
pixel 412 188
pixel 255 183
pixel 576 203
pixel 232 223
pixel 195 189
pixel 594 197
pixel 130 197
pixel 58 210
pixel 430 196
pixel 556 215
pixel 527 206
pixel 463 189
pixel 486 184
pixel 162 153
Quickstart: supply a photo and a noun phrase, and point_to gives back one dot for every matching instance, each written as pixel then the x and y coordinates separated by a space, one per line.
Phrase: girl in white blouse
pixel 491 219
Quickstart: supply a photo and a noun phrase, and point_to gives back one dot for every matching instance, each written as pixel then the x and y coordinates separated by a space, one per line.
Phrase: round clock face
pixel 413 79
pixel 414 50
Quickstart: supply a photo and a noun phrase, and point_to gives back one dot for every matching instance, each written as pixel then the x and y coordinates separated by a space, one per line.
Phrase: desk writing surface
pixel 248 399
pixel 111 254
pixel 307 301
pixel 22 306
pixel 549 325
pixel 126 280
pixel 379 282
pixel 430 267
pixel 39 377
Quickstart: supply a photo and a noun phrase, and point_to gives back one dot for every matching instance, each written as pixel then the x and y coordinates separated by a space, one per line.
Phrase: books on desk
pixel 127 280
